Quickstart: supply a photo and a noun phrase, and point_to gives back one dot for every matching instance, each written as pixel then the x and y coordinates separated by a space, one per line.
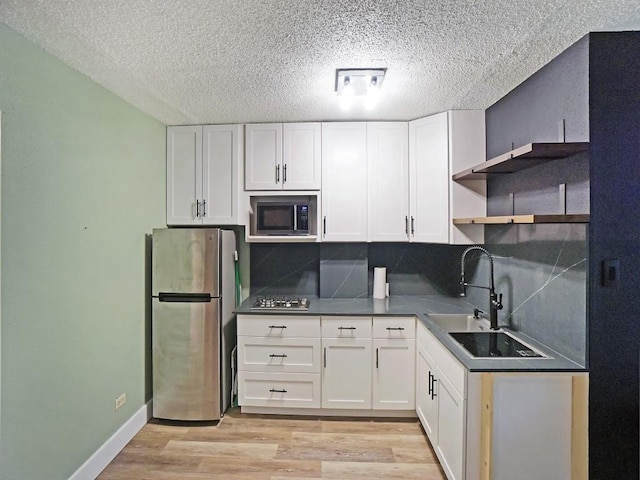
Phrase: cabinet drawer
pixel 394 327
pixel 266 354
pixel 278 326
pixel 299 390
pixel 451 368
pixel 346 327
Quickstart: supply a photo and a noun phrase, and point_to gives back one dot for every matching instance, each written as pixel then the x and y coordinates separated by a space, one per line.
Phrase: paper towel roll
pixel 379 282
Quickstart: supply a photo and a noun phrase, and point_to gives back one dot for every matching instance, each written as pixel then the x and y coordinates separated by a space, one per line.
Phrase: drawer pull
pixel 376 358
pixel 276 355
pixel 346 328
pixel 275 390
pixel 395 328
pixel 277 326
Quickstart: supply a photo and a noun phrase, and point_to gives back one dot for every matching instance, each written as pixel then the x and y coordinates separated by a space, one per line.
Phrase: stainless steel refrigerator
pixel 193 325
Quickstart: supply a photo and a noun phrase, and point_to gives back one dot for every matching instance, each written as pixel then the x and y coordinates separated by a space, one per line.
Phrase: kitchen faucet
pixel 495 300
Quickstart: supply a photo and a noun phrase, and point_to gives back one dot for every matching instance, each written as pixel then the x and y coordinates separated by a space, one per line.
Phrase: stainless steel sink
pixel 475 336
pixel 455 322
pixel 494 344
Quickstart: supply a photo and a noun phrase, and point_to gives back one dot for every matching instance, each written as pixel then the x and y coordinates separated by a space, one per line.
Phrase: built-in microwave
pixel 282 218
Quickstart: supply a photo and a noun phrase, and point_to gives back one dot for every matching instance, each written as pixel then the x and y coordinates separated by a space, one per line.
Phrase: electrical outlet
pixel 121 400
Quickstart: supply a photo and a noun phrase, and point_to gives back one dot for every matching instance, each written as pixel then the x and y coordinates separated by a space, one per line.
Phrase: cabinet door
pixel 263 156
pixel 429 184
pixel 222 149
pixel 426 405
pixel 344 182
pixel 451 418
pixel 184 170
pixel 388 178
pixel 301 156
pixel 391 390
pixel 346 373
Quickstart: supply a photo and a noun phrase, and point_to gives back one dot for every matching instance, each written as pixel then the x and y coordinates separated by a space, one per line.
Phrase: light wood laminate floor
pixel 267 447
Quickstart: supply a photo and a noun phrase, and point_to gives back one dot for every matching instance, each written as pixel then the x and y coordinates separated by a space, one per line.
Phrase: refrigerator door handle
pixel 184 297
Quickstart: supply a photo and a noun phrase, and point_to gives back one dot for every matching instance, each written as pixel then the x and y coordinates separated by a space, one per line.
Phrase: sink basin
pixel 454 322
pixel 490 344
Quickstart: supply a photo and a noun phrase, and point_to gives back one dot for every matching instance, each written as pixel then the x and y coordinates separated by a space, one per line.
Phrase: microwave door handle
pixel 295 218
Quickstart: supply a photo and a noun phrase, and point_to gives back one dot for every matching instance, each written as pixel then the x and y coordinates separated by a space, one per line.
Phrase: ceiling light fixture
pixel 359 81
pixel 364 83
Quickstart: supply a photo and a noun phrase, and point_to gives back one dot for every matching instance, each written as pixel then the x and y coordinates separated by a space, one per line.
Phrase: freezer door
pixel 186 260
pixel 186 360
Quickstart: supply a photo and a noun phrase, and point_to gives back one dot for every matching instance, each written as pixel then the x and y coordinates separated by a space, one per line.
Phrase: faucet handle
pixel 476 313
pixel 498 303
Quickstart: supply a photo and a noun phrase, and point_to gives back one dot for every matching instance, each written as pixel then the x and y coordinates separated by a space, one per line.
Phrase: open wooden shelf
pixel 521 158
pixel 508 219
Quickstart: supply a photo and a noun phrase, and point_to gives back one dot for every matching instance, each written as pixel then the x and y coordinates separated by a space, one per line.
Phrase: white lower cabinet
pixel 333 363
pixel 279 361
pixel 293 390
pixel 394 347
pixel 345 379
pixel 440 402
pixel 500 425
pixel 346 367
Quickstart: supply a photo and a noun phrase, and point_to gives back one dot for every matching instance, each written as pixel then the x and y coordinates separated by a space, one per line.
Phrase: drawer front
pixel 295 390
pixel 278 326
pixel 265 354
pixel 346 327
pixel 394 327
pixel 446 362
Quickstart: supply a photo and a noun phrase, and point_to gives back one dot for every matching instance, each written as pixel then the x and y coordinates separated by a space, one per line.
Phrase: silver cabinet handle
pixel 430 383
pixel 413 230
pixel 406 225
pixel 278 355
pixel 197 208
pixel 324 359
pixel 275 390
pixel 284 173
pixel 277 173
pixel 346 328
pixel 433 388
pixel 277 326
pixel 376 358
pixel 324 225
pixel 204 208
pixel 395 328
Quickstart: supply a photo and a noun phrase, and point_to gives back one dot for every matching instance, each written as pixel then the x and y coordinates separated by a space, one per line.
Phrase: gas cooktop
pixel 281 303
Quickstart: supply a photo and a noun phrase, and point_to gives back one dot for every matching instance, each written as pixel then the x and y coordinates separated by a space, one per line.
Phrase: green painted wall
pixel 83 182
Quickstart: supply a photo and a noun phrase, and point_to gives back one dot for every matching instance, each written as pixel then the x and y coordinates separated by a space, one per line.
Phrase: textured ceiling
pixel 237 61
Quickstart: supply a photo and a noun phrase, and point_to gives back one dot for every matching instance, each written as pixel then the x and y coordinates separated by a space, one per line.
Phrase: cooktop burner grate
pixel 281 302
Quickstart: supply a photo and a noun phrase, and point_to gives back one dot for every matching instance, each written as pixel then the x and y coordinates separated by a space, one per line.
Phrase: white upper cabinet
pixel 388 178
pixel 282 156
pixel 263 156
pixel 203 166
pixel 222 149
pixel 344 182
pixel 184 175
pixel 468 198
pixel 429 179
pixel 301 156
pixel 440 145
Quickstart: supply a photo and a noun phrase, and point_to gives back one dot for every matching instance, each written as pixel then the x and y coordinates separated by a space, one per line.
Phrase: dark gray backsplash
pixel 417 269
pixel 345 270
pixel 284 268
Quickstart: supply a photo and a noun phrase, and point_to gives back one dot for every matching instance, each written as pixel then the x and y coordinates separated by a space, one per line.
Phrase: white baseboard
pixel 108 451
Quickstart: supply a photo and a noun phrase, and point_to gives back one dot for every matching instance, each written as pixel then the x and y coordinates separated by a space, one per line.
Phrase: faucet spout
pixel 495 300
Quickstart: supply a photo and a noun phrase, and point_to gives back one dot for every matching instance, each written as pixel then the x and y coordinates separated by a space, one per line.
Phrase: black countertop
pixel 421 307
